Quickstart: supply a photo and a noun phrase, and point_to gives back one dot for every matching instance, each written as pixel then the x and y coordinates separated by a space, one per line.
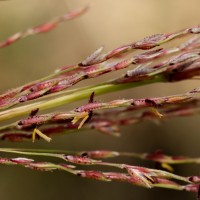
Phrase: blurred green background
pixel 110 23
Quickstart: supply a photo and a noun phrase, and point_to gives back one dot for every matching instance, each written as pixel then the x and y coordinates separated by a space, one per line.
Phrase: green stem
pixel 80 94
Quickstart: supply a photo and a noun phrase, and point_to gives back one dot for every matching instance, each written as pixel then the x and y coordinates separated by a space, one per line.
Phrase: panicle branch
pixel 43 28
pixel 99 116
pixel 140 176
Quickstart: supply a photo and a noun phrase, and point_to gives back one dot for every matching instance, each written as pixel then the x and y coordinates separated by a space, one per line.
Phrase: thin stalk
pixel 7 150
pixel 144 177
pixel 77 160
pixel 104 154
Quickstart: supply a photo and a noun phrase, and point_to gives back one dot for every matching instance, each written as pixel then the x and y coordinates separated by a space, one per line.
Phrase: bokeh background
pixel 110 23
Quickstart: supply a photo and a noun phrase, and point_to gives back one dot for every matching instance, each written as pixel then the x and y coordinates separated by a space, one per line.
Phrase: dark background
pixel 110 23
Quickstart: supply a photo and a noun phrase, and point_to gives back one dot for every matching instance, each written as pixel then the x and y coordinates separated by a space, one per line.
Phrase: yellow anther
pixel 42 135
pixel 83 115
pixel 167 167
pixel 155 111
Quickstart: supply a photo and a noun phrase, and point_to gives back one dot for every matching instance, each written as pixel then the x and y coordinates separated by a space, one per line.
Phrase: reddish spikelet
pixel 100 154
pixel 31 96
pixel 9 94
pixel 151 41
pixel 116 52
pixel 68 81
pixel 6 161
pixel 191 71
pixel 33 120
pixel 65 68
pixel 140 178
pixel 165 182
pixel 43 85
pixel 191 188
pixel 194 179
pixel 11 40
pixel 93 175
pixel 184 57
pixel 93 58
pixel 44 27
pixel 195 30
pixel 80 160
pixel 88 107
pixel 22 160
pixel 149 55
pixel 117 176
pixel 192 43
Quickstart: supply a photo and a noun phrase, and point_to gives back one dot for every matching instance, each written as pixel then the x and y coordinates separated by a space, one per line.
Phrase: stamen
pixel 42 135
pixel 167 167
pixel 84 116
pixel 155 111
